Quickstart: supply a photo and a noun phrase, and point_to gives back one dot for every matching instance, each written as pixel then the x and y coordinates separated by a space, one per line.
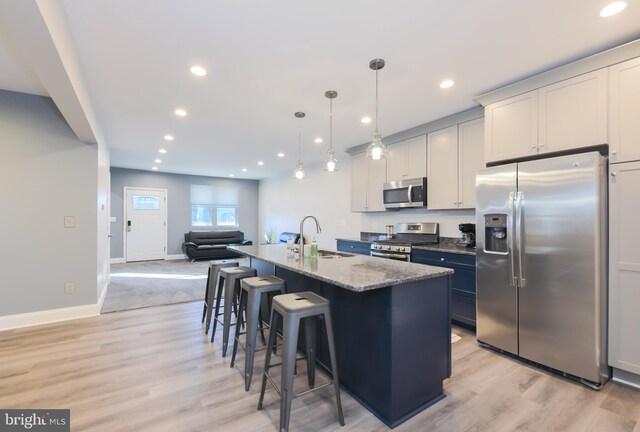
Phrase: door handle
pixel 513 281
pixel 410 193
pixel 519 208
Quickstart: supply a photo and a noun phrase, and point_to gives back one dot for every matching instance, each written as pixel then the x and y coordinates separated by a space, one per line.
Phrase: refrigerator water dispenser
pixel 495 233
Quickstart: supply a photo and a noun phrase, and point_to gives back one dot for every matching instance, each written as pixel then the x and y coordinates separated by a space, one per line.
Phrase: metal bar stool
pixel 250 296
pixel 292 308
pixel 229 281
pixel 210 288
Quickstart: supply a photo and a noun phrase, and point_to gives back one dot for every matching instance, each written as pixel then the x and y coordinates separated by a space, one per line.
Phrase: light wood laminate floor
pixel 154 370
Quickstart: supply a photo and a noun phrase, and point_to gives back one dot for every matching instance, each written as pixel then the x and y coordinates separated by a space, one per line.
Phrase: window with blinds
pixel 214 206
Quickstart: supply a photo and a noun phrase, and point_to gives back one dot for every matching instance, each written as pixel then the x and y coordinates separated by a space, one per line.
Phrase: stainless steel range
pixel 407 235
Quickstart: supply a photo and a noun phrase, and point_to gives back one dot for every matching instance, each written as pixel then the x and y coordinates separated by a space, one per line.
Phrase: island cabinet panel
pixel 393 344
pixel 361 248
pixel 463 283
pixel 624 106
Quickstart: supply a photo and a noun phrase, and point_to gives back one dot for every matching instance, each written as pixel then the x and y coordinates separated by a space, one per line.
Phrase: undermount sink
pixel 331 254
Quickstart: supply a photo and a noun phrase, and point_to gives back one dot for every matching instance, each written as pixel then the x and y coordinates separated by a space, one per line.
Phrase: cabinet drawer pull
pixel 442 259
pixel 613 173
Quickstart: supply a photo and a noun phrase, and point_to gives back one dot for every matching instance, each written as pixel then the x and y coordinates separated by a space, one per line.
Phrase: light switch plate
pixel 69 287
pixel 69 222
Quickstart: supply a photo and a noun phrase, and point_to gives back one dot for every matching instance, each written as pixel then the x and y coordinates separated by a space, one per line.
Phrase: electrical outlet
pixel 69 222
pixel 69 287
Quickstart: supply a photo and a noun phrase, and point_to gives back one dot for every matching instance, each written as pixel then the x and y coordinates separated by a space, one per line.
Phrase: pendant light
pixel 376 149
pixel 299 172
pixel 331 163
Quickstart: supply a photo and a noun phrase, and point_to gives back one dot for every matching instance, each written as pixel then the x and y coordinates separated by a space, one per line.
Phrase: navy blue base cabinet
pixel 463 283
pixel 355 247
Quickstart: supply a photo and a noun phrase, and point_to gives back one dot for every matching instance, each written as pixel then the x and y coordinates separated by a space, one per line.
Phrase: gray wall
pixel 179 204
pixel 46 173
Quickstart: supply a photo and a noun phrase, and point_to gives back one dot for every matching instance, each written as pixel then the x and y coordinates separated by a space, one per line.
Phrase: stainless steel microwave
pixel 405 193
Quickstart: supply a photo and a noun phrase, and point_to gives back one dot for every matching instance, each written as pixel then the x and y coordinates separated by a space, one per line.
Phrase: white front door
pixel 145 224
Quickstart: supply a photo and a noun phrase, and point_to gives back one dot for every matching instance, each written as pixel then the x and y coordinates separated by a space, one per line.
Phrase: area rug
pixel 154 283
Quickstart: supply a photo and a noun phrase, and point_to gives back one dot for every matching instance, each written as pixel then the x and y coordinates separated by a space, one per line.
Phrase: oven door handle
pixel 404 257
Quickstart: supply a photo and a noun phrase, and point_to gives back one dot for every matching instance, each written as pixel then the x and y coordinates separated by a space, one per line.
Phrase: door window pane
pixel 201 215
pixel 146 202
pixel 226 216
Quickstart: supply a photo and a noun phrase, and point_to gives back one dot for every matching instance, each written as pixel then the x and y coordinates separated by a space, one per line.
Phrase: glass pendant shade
pixel 299 173
pixel 376 149
pixel 331 162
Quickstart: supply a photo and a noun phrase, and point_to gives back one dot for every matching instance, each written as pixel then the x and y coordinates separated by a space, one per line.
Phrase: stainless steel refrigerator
pixel 541 262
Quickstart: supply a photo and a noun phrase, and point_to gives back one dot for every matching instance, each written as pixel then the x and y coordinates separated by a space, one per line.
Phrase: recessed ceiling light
pixel 244 170
pixel 318 140
pixel 280 155
pixel 232 175
pixel 158 161
pixel 446 84
pixel 154 168
pixel 198 71
pixel 613 8
pixel 260 163
pixel 366 119
pixel 180 112
pixel 168 137
pixel 163 151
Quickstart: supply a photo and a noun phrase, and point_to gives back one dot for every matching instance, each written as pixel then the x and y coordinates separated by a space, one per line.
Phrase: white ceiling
pixel 267 60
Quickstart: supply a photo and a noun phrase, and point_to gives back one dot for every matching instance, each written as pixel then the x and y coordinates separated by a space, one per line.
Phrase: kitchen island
pixel 391 322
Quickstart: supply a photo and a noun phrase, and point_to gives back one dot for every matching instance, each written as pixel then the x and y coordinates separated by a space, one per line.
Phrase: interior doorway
pixel 145 224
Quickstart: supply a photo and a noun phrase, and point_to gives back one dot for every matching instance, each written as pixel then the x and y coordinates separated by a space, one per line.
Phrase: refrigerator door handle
pixel 519 205
pixel 513 281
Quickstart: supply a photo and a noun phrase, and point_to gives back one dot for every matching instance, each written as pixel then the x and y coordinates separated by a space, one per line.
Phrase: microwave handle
pixel 410 194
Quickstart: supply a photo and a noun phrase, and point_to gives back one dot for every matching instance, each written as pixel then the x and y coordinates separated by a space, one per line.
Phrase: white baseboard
pixel 176 257
pixel 29 319
pixel 116 261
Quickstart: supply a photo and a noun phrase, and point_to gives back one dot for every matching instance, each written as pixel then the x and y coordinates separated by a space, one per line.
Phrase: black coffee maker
pixel 468 231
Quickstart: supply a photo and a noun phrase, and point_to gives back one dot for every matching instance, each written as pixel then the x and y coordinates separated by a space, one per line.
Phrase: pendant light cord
pixel 331 124
pixel 376 100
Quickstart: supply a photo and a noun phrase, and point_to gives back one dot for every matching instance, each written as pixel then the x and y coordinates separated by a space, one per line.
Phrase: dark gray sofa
pixel 201 245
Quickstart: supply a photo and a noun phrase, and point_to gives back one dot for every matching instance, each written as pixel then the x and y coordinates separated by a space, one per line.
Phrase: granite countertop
pixel 355 272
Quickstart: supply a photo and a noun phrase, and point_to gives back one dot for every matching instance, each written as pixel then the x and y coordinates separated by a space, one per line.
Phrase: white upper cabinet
pixel 377 178
pixel 573 113
pixel 470 160
pixel 442 181
pixel 624 111
pixel 407 159
pixel 367 179
pixel 511 127
pixel 359 182
pixel 454 155
pixel 569 114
